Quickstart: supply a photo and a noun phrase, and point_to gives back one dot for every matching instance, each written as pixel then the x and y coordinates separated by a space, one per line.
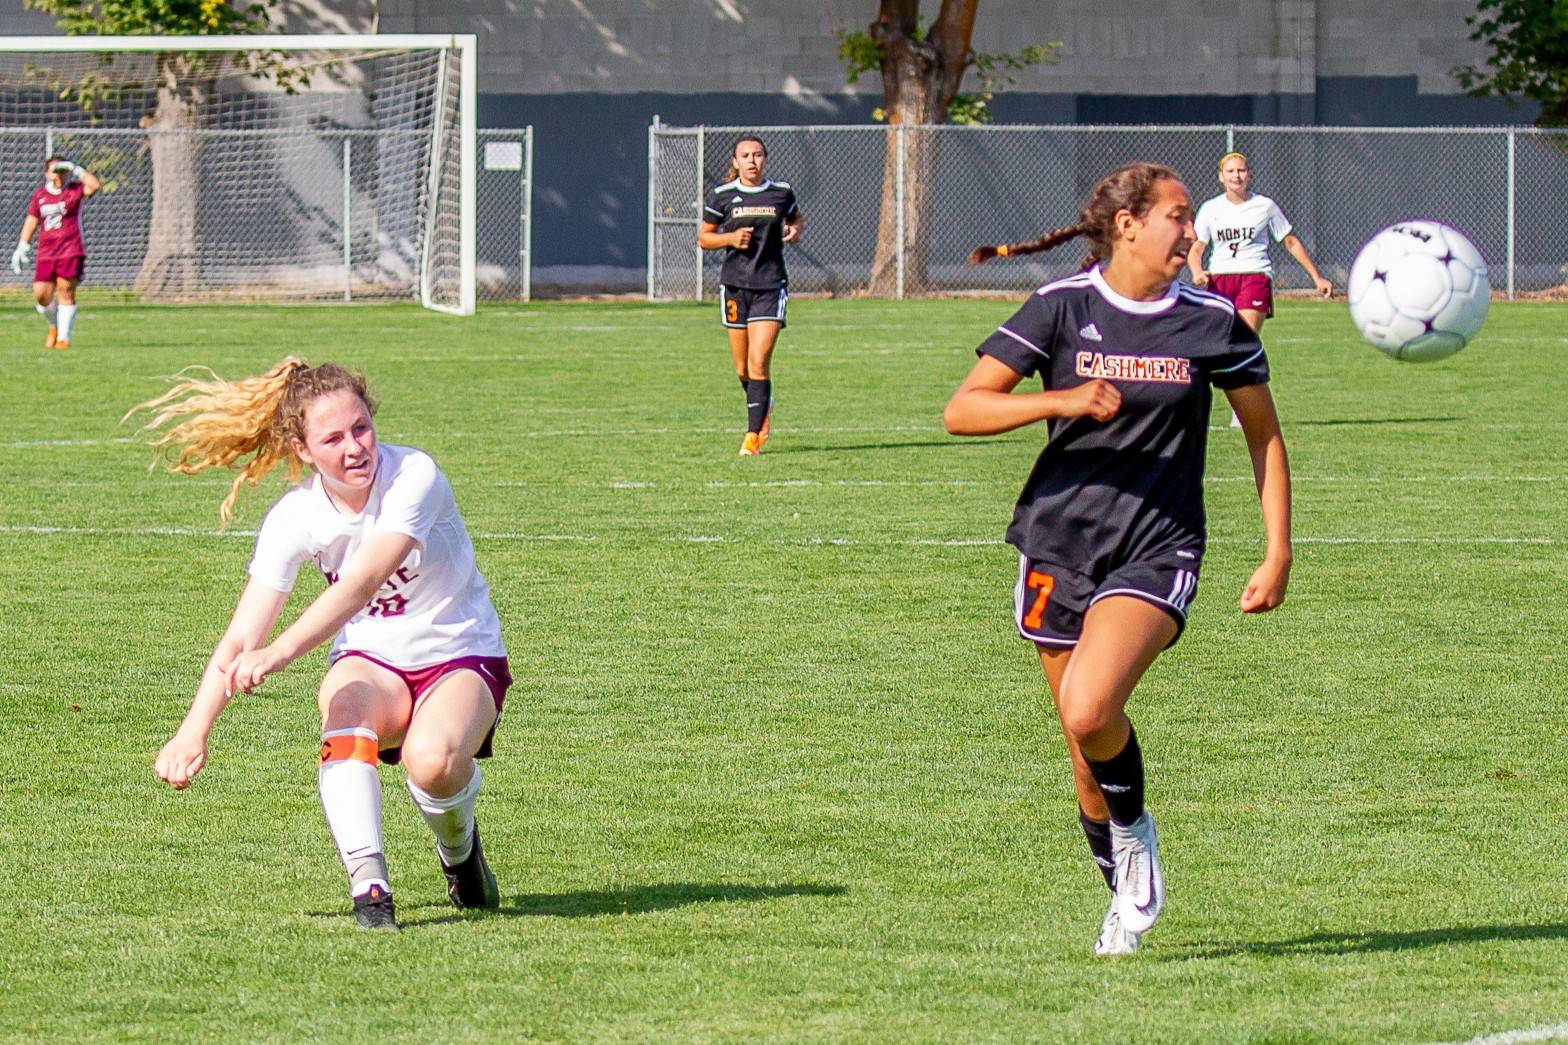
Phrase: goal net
pixel 269 168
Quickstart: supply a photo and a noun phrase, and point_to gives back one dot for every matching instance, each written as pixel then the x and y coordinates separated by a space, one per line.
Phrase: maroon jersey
pixel 59 231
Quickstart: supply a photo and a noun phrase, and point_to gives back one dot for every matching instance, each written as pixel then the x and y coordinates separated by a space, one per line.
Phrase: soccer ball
pixel 1418 291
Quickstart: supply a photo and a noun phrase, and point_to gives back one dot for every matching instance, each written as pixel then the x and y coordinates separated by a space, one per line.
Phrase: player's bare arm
pixel 794 227
pixel 985 404
pixel 186 752
pixel 1298 250
pixel 1254 405
pixel 710 238
pixel 1195 256
pixel 362 577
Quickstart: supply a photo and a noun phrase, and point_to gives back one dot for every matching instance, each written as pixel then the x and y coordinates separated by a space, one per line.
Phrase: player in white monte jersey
pixel 1239 223
pixel 418 668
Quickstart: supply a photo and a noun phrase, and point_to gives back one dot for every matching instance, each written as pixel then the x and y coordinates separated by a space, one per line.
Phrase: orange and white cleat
pixel 751 445
pixel 52 339
pixel 60 343
pixel 767 426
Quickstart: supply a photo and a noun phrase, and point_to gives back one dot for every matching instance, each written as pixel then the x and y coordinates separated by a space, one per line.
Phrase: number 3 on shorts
pixel 732 311
pixel 1041 584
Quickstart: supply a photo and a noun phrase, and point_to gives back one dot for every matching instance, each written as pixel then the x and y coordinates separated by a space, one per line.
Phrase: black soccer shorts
pixel 1049 601
pixel 742 305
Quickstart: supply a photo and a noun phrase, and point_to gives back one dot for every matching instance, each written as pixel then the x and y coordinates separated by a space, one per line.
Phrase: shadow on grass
pixel 1365 943
pixel 949 444
pixel 1326 422
pixel 596 903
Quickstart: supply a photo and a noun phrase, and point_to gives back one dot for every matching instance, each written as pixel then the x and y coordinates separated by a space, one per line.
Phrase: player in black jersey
pixel 1110 526
pixel 751 218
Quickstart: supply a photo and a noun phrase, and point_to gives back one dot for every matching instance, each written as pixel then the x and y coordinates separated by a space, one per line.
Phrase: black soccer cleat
pixel 373 910
pixel 470 884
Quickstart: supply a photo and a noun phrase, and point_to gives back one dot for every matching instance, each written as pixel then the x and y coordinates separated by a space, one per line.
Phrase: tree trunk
pixel 171 268
pixel 919 79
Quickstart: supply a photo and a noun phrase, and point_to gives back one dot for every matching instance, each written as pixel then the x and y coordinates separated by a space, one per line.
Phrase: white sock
pixel 48 312
pixel 351 798
pixel 67 321
pixel 451 820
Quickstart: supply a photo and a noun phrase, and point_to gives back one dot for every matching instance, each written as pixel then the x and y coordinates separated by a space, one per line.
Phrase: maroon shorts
pixel 47 270
pixel 494 670
pixel 1249 290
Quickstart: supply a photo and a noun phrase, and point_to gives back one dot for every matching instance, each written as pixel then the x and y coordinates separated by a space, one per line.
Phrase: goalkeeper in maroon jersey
pixel 54 211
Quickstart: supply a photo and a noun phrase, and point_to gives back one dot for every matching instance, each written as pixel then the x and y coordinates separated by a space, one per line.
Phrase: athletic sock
pixel 67 321
pixel 1121 781
pixel 1098 832
pixel 451 820
pixel 351 797
pixel 758 392
pixel 49 312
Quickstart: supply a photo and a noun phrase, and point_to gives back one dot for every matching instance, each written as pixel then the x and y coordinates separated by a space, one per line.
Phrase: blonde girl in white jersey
pixel 1239 224
pixel 418 668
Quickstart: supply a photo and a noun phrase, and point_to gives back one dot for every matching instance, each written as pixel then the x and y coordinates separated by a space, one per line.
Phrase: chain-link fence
pixel 505 203
pixel 894 211
pixel 304 214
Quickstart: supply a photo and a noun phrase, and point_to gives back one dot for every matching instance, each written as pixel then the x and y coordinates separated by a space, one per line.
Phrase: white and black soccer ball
pixel 1419 291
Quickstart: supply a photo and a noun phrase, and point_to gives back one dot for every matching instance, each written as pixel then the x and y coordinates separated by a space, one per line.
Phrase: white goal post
pixel 257 167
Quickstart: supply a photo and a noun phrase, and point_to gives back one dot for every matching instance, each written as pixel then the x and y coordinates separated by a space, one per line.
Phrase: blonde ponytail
pixel 220 423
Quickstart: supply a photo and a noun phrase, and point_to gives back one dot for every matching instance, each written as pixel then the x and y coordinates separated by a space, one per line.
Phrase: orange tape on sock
pixel 348 746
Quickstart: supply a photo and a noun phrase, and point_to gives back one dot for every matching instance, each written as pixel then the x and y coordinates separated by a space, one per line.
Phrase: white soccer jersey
pixel 435 607
pixel 1238 233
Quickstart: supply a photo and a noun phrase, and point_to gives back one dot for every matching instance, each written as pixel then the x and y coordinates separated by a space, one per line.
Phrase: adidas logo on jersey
pixel 735 200
pixel 1090 333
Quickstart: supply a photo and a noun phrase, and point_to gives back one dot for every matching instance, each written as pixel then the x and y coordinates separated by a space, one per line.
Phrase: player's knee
pixel 1086 719
pixel 433 765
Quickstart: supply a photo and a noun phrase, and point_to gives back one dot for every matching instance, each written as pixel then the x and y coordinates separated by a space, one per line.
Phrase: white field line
pixel 1554 1032
pixel 786 484
pixel 622 433
pixel 689 538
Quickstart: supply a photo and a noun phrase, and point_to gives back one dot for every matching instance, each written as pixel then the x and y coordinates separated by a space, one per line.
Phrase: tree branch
pixel 951 35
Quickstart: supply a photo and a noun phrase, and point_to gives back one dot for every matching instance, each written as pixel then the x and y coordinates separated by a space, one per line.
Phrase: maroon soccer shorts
pixel 1249 290
pixel 494 670
pixel 47 270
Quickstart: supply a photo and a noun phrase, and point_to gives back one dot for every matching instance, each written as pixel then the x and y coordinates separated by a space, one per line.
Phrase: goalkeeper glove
pixel 19 257
pixel 70 168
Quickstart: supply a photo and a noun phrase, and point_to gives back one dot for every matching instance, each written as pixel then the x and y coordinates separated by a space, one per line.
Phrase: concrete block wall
pixel 1109 46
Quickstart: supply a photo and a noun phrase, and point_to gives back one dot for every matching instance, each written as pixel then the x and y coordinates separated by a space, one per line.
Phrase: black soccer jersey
pixel 764 208
pixel 1107 493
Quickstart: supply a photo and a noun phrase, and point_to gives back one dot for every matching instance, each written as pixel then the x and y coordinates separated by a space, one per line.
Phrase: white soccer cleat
pixel 1140 884
pixel 1113 939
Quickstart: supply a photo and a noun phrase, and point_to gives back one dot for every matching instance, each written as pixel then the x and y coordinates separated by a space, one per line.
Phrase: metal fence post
pixel 1511 213
pixel 898 207
pixel 348 232
pixel 653 181
pixel 525 244
pixel 702 145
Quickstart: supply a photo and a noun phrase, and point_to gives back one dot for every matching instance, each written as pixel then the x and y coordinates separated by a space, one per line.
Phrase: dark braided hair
pixel 1129 188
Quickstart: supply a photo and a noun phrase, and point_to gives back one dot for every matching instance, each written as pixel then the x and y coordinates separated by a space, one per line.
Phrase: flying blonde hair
pixel 221 423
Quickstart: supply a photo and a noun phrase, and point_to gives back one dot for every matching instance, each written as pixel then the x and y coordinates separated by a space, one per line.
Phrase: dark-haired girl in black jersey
pixel 1110 525
pixel 751 218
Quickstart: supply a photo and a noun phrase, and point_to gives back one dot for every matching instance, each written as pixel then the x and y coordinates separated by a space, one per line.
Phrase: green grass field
pixel 776 765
